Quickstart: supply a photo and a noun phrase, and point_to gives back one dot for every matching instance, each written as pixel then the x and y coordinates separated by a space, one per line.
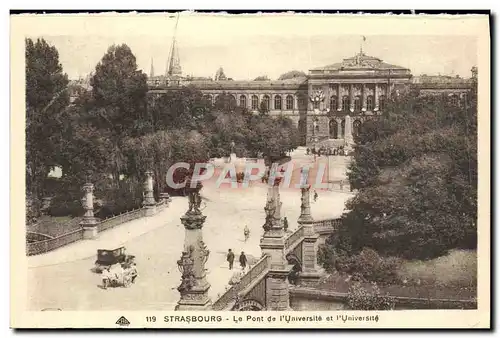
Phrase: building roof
pixel 360 61
pixel 248 84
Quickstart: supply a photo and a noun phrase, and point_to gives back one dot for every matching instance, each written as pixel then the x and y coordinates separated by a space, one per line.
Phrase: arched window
pixel 356 127
pixel 345 103
pixel 369 103
pixel 266 100
pixel 232 100
pixel 255 102
pixel 357 103
pixel 454 100
pixel 333 103
pixel 315 104
pixel 334 127
pixel 301 102
pixel 243 101
pixel 464 100
pixel 277 102
pixel 289 102
pixel 381 102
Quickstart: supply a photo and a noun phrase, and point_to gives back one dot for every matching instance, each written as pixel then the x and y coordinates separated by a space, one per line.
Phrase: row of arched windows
pixel 335 133
pixel 278 103
pixel 346 103
pixel 289 103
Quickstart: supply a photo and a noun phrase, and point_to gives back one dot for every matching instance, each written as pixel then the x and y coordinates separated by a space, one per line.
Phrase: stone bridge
pixel 286 259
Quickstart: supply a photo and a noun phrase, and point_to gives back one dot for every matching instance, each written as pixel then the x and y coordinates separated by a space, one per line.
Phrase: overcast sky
pixel 253 46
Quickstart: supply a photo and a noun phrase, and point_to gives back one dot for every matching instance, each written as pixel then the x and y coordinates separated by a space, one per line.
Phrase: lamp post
pixel 194 286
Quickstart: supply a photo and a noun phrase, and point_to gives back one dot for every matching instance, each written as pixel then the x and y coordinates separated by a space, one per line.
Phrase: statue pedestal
pixel 194 285
pixel 150 210
pixel 89 226
pixel 90 232
pixel 309 279
pixel 195 300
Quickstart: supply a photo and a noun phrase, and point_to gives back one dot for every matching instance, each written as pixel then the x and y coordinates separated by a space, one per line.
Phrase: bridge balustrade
pixel 326 225
pixel 294 237
pixel 251 276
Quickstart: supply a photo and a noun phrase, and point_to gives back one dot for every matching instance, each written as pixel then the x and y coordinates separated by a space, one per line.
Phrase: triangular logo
pixel 122 321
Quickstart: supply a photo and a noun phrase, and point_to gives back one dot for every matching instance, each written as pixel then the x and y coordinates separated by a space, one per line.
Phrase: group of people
pixel 243 260
pixel 326 151
pixel 119 274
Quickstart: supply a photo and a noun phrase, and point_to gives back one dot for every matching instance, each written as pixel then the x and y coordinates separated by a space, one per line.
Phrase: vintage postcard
pixel 187 170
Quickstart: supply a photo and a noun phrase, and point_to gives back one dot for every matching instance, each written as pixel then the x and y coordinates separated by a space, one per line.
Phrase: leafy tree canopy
pixel 292 75
pixel 415 169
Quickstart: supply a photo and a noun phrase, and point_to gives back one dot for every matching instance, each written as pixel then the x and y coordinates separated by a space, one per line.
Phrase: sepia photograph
pixel 318 166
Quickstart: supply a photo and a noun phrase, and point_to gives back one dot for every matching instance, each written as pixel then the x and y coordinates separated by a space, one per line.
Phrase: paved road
pixel 62 278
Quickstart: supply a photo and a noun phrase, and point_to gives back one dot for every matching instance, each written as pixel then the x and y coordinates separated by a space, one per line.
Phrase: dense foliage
pixel 46 99
pixel 359 298
pixel 415 169
pixel 115 132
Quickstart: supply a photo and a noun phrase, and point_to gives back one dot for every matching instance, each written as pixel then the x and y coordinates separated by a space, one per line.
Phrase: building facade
pixel 319 102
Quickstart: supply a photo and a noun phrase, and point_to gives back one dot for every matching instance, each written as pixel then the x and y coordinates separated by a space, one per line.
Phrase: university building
pixel 319 102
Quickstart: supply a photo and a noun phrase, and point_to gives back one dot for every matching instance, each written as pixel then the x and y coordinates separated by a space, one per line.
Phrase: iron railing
pixel 36 248
pixel 111 222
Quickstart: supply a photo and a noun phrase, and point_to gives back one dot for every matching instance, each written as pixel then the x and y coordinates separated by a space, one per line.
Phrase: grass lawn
pixel 453 276
pixel 55 226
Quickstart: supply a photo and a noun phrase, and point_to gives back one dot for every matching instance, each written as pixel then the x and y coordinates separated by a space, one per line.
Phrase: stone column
pixel 311 272
pixel 149 202
pixel 377 93
pixel 363 98
pixel 165 196
pixel 351 97
pixel 348 140
pixel 194 285
pixel 89 222
pixel 339 97
pixel 305 206
pixel 272 244
pixel 339 129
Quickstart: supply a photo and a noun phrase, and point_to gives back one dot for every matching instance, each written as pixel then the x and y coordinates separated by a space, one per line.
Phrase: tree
pixel 416 172
pixel 119 102
pixel 46 100
pixel 262 78
pixel 292 75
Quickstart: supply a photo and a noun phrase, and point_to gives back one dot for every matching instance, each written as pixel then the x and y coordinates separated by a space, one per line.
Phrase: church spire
pixel 152 70
pixel 174 63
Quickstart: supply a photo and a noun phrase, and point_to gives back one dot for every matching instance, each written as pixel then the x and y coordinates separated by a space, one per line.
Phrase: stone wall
pixel 311 299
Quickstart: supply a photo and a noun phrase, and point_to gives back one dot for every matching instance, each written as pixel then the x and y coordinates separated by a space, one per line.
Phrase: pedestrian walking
pixel 243 261
pixel 230 259
pixel 315 196
pixel 246 232
pixel 285 224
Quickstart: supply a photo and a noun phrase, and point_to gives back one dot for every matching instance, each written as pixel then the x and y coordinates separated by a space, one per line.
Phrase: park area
pixel 63 278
